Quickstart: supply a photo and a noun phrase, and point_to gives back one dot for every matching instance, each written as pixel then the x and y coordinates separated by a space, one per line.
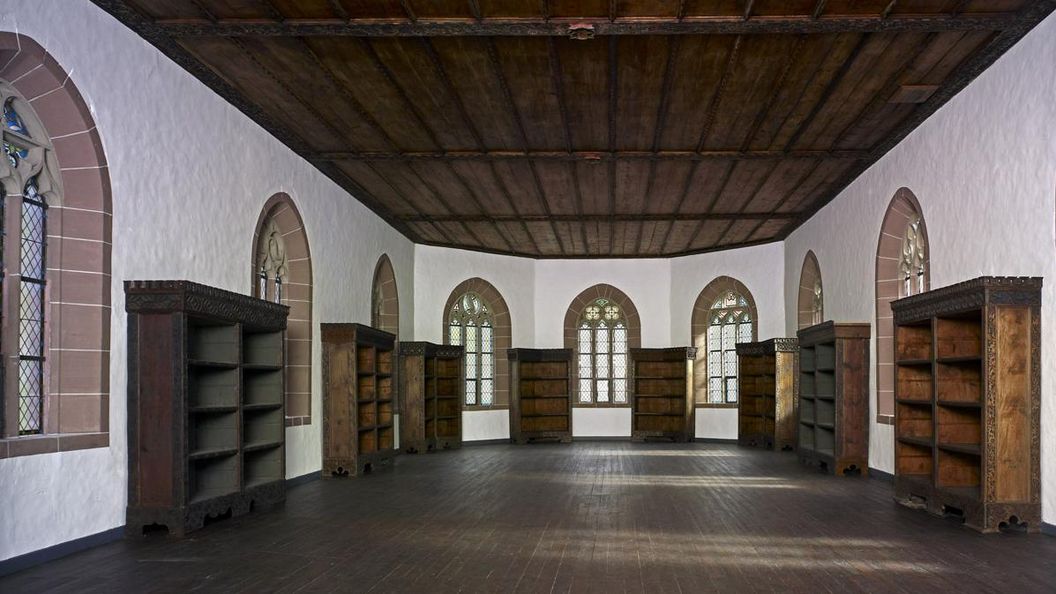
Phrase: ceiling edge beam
pixel 602 218
pixel 805 24
pixel 590 156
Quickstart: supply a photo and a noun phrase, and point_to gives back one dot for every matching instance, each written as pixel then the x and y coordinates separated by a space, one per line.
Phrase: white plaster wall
pixel 189 176
pixel 485 425
pixel 716 423
pixel 984 171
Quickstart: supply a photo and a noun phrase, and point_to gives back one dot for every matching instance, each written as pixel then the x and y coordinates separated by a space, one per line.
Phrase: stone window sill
pixel 298 421
pixel 724 405
pixel 31 445
pixel 474 408
pixel 600 405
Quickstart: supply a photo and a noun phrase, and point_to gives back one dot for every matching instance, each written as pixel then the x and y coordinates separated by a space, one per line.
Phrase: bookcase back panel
pixel 959 337
pixel 544 369
pixel 660 369
pixel 384 388
pixel 667 405
pixel 385 413
pixel 212 387
pixel 213 477
pixel 447 407
pixel 959 382
pixel 914 382
pixel 447 387
pixel 959 425
pixel 262 348
pixel 958 470
pixel 262 387
pixel 661 387
pixel 448 367
pixel 448 428
pixel 664 424
pixel 384 362
pixel 214 432
pixel 557 387
pixel 263 426
pixel 365 359
pixel 1012 405
pixel 914 459
pixel 367 414
pixel 543 406
pixel 916 421
pixel 214 343
pixel 263 467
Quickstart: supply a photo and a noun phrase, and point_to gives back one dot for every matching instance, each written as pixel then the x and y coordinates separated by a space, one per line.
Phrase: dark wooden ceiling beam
pixel 590 156
pixel 818 9
pixel 495 27
pixel 603 218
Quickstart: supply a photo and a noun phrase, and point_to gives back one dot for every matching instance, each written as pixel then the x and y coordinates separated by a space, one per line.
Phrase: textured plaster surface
pixel 984 171
pixel 189 175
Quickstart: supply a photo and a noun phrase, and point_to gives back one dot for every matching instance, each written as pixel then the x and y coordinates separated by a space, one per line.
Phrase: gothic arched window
pixel 470 324
pixel 27 176
pixel 601 347
pixel 730 323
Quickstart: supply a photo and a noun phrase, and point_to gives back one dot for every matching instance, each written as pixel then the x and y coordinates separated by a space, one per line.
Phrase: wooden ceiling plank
pixel 513 205
pixel 496 27
pixel 830 88
pixel 384 70
pixel 696 217
pixel 460 105
pixel 511 106
pixel 406 6
pixel 751 197
pixel 588 156
pixel 799 181
pixel 793 56
pixel 818 9
pixel 711 205
pixel 748 4
pixel 716 98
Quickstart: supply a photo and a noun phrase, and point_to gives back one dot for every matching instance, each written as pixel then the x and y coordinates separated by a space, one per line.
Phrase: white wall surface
pixel 984 171
pixel 189 176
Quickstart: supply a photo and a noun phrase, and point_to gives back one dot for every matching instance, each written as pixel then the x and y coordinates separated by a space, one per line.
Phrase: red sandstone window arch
pixel 385 300
pixel 280 251
pixel 811 295
pixel 902 268
pixel 72 178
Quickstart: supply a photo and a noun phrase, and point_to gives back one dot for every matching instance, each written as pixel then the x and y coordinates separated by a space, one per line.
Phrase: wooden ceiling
pixel 671 127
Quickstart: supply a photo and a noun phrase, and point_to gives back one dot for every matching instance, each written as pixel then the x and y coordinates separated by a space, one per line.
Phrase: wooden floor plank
pixel 603 517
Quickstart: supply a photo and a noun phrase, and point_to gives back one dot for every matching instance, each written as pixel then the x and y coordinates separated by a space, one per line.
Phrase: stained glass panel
pixel 14 122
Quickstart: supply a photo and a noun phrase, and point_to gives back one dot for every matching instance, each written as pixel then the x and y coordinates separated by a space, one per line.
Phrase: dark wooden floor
pixel 586 517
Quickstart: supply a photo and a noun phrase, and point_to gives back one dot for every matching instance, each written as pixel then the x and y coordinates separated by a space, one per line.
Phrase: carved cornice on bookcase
pixel 969 295
pixel 767 347
pixel 539 354
pixel 166 296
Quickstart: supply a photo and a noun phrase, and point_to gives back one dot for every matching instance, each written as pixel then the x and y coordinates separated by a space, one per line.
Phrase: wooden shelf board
pixel 913 402
pixel 826 453
pixel 211 453
pixel 959 404
pixel 258 406
pixel 213 409
pixel 972 449
pixel 257 446
pixel 917 441
pixel 960 360
pixel 211 364
pixel 826 426
pixel 446 417
pixel 914 362
pixel 261 482
pixel 261 367
pixel 807 423
pixel 824 397
pixel 662 396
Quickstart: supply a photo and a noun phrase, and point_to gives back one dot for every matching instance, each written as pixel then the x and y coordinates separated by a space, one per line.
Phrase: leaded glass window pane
pixel 603 390
pixel 744 332
pixel 584 390
pixel 715 390
pixel 30 396
pixel 619 391
pixel 470 324
pixel 731 323
pixel 619 366
pixel 585 368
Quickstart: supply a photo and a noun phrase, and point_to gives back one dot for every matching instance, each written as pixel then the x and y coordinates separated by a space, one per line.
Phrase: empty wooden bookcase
pixel 967 401
pixel 540 395
pixel 768 393
pixel 206 404
pixel 834 397
pixel 432 390
pixel 662 394
pixel 359 434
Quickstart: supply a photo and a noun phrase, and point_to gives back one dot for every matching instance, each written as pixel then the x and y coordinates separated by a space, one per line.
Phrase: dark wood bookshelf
pixel 662 394
pixel 359 432
pixel 206 425
pixel 768 393
pixel 432 391
pixel 967 402
pixel 540 395
pixel 833 428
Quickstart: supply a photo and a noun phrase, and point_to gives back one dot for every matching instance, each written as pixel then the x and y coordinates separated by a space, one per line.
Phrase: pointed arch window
pixel 730 323
pixel 913 263
pixel 470 324
pixel 601 347
pixel 26 170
